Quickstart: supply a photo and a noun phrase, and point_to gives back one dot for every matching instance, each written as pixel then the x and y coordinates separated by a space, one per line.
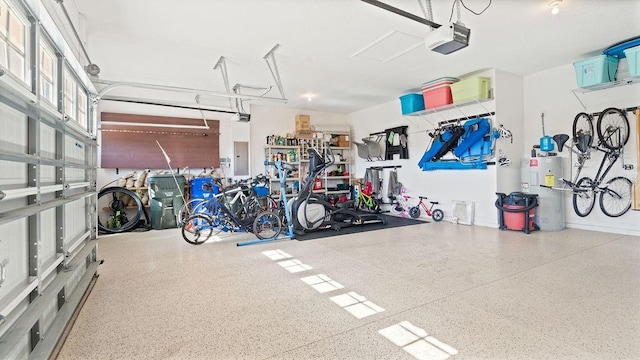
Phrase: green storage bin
pixel 470 89
pixel 165 200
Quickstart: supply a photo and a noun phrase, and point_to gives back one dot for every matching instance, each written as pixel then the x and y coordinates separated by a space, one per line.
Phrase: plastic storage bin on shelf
pixel 411 103
pixel 438 96
pixel 437 92
pixel 596 70
pixel 633 58
pixel 470 89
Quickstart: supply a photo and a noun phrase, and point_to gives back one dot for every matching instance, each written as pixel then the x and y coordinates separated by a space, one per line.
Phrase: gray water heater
pixel 546 171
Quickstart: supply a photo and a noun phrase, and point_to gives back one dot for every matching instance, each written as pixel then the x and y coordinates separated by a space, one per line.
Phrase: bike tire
pixel 613 128
pixel 437 215
pixel 131 223
pixel 584 197
pixel 615 199
pixel 396 208
pixel 187 210
pixel 582 131
pixel 414 212
pixel 267 225
pixel 197 229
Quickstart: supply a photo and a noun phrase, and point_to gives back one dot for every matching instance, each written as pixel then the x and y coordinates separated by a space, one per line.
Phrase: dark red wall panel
pixel 135 147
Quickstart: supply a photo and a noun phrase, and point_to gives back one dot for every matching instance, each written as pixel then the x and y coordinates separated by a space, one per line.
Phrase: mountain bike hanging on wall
pixel 612 130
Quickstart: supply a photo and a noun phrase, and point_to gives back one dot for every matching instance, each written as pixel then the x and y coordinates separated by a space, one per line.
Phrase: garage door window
pixel 75 99
pixel 14 32
pixel 47 73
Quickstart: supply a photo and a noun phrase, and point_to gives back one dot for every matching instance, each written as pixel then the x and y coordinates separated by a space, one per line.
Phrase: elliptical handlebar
pixel 331 157
pixel 285 166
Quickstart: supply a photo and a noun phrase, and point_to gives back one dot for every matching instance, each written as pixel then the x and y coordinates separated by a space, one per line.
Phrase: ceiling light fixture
pixel 309 96
pixel 555 6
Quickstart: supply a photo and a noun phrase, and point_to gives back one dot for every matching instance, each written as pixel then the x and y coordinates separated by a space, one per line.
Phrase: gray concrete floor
pixel 431 291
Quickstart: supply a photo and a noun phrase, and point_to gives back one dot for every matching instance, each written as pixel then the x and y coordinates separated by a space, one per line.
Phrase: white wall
pixel 445 186
pixel 279 120
pixel 509 112
pixel 551 92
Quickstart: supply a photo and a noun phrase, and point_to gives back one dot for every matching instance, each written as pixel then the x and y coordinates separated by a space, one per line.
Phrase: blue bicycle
pixel 216 217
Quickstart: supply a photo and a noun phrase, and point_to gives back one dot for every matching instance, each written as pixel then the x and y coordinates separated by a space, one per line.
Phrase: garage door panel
pixel 74 174
pixel 75 221
pixel 14 255
pixel 47 175
pixel 47 142
pixel 13 174
pixel 73 150
pixel 13 130
pixel 47 249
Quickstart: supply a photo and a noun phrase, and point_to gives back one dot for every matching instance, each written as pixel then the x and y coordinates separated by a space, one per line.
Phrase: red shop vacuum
pixel 517 211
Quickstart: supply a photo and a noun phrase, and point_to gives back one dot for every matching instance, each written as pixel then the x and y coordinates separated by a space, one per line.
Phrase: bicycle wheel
pixel 414 212
pixel 267 225
pixel 187 209
pixel 437 215
pixel 584 197
pixel 396 208
pixel 197 229
pixel 583 131
pixel 114 214
pixel 268 203
pixel 615 199
pixel 613 128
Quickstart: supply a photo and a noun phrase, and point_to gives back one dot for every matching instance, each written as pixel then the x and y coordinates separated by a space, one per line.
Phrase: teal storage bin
pixel 411 103
pixel 596 70
pixel 633 58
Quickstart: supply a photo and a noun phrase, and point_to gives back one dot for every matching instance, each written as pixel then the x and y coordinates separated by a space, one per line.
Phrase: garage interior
pixel 130 128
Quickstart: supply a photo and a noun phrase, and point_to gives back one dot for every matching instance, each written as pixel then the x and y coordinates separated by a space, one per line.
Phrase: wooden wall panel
pixel 134 147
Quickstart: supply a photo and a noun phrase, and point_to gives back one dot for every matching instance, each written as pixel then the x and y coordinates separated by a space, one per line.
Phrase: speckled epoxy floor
pixel 474 292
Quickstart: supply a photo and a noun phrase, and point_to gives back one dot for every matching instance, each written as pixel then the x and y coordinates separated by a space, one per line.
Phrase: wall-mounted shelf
pixel 608 85
pixel 604 86
pixel 455 106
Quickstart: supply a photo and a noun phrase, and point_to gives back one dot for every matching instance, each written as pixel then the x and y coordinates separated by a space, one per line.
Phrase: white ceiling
pixel 177 43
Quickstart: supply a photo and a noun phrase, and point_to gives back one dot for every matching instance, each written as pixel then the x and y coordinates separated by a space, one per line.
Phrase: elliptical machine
pixel 311 212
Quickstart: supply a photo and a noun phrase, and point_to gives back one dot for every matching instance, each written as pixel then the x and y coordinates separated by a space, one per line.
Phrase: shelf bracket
pixel 579 100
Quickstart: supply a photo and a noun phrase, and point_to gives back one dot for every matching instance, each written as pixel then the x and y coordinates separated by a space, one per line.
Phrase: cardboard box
pixel 304 134
pixel 303 123
pixel 342 143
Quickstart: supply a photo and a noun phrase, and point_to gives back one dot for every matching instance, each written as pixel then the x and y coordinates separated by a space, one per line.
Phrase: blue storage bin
pixel 411 103
pixel 633 58
pixel 596 70
pixel 261 190
pixel 196 188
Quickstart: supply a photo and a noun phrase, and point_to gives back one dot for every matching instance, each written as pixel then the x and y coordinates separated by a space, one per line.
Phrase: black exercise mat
pixel 392 221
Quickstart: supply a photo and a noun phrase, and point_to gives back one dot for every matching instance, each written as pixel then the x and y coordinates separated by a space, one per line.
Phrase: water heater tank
pixel 547 171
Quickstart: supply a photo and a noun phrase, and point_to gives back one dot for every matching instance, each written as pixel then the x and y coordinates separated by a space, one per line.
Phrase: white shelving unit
pixel 290 154
pixel 333 180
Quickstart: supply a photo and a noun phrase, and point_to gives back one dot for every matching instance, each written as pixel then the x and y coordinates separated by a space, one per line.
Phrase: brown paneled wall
pixel 135 147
